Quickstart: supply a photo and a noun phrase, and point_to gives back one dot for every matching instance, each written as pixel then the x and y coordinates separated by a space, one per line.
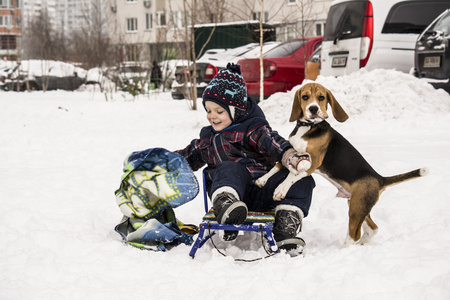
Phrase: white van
pixel 375 34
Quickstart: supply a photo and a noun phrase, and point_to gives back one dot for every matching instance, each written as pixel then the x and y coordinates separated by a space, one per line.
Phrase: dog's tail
pixel 391 180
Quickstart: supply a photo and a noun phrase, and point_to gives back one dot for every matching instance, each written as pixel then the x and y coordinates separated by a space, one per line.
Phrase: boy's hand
pixel 295 161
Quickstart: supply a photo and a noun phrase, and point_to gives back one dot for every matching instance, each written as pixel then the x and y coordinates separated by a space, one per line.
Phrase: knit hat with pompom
pixel 228 89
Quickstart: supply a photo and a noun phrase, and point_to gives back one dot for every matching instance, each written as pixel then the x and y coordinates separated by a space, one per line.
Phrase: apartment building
pixel 155 29
pixel 74 15
pixel 10 29
pixel 33 8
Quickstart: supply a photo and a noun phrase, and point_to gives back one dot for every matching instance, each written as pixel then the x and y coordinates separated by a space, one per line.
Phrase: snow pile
pixel 62 155
pixel 50 68
pixel 379 95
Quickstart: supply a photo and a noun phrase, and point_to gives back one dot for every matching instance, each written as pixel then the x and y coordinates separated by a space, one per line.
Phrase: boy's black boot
pixel 288 223
pixel 229 210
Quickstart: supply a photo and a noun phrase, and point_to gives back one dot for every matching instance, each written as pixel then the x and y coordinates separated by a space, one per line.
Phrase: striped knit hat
pixel 228 89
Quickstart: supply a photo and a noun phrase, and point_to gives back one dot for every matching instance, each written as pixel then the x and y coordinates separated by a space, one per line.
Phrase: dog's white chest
pixel 297 141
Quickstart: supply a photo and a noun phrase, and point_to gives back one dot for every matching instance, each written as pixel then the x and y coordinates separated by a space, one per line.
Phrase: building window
pixel 132 53
pixel 178 19
pixel 131 1
pixel 6 4
pixel 132 25
pixel 291 32
pixel 161 19
pixel 148 21
pixel 257 16
pixel 319 29
pixel 292 2
pixel 6 21
pixel 8 42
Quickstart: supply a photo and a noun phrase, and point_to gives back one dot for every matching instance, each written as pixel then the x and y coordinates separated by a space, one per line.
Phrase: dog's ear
pixel 338 112
pixel 297 111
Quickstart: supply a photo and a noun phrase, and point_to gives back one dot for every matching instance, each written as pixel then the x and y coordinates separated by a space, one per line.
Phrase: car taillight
pixel 210 71
pixel 270 68
pixel 367 35
pixel 182 74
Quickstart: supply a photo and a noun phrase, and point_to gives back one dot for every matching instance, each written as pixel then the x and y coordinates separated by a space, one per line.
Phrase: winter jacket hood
pixel 254 116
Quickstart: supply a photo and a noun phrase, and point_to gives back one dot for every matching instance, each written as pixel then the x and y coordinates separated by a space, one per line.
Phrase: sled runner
pixel 261 222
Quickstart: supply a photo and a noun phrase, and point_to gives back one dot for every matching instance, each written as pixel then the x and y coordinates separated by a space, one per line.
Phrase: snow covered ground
pixel 62 155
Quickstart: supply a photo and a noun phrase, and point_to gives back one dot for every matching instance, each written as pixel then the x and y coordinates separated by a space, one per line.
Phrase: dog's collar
pixel 301 123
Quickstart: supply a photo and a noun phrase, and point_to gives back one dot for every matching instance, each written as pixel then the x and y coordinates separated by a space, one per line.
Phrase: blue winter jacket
pixel 250 142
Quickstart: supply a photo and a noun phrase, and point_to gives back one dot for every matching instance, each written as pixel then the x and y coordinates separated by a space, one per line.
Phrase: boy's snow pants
pixel 237 176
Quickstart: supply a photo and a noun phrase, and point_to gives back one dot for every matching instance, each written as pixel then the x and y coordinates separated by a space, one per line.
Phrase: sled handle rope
pixel 241 259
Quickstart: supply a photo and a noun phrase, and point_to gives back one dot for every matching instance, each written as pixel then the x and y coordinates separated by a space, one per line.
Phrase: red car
pixel 284 67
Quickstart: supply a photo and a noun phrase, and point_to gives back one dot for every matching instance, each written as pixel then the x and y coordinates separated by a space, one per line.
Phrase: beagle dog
pixel 333 157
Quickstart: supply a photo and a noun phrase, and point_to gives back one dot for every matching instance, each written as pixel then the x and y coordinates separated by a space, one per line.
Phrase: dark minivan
pixel 432 59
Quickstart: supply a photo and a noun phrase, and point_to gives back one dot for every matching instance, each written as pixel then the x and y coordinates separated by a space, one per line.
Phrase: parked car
pixel 131 75
pixel 168 69
pixel 209 64
pixel 101 77
pixel 133 69
pixel 284 67
pixel 44 74
pixel 432 55
pixel 313 65
pixel 375 34
pixel 221 57
pixel 5 72
pixel 69 83
pixel 181 86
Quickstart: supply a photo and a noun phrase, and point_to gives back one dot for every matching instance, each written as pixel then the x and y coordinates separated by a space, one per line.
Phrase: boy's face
pixel 217 116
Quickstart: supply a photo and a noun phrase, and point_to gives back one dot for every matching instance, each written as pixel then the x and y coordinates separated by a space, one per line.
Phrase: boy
pixel 239 147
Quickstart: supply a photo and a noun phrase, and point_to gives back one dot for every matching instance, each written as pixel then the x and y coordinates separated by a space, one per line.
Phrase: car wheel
pixel 177 96
pixel 33 86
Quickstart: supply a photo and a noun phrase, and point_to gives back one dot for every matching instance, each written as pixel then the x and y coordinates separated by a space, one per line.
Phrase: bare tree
pixel 215 11
pixel 39 37
pixel 193 78
pixel 212 10
pixel 186 46
pixel 91 44
pixel 261 62
pixel 40 42
pixel 305 9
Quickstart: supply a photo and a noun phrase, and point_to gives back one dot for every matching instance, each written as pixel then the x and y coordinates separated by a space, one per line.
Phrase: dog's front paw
pixel 261 181
pixel 280 192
